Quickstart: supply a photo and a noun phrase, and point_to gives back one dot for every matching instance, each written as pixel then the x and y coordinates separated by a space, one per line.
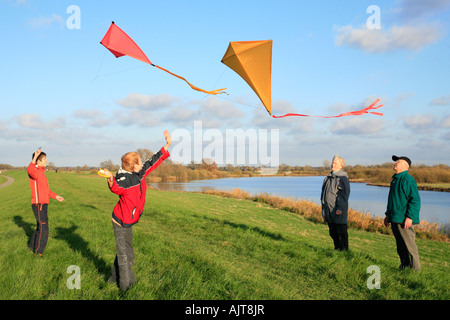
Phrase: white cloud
pixel 441 101
pixel 413 10
pixel 357 126
pixel 95 117
pixel 414 28
pixel 34 121
pixel 181 116
pixel 409 37
pixel 87 114
pixel 137 118
pixel 420 123
pixel 445 123
pixel 149 102
pixel 400 98
pixel 220 108
pixel 3 126
pixel 46 22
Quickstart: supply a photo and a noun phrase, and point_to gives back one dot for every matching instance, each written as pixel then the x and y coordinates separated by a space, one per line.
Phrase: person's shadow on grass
pixel 26 226
pixel 77 243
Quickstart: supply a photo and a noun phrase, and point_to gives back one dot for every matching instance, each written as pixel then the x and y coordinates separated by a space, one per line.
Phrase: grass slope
pixel 199 246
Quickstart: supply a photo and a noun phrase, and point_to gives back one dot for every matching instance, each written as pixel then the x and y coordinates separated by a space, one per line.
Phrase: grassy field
pixel 201 247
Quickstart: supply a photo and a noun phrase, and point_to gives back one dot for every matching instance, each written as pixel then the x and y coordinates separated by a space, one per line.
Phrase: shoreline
pixel 421 187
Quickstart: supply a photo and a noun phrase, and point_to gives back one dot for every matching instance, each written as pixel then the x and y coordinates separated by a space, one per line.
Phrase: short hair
pixel 340 159
pixel 129 160
pixel 40 156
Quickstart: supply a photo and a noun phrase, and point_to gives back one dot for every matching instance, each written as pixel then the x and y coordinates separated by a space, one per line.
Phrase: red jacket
pixel 131 188
pixel 40 192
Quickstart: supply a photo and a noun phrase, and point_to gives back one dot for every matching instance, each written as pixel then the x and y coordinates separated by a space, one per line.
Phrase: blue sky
pixel 62 90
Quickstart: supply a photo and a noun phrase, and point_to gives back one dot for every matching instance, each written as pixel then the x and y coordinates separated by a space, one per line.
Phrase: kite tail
pixel 218 91
pixel 351 113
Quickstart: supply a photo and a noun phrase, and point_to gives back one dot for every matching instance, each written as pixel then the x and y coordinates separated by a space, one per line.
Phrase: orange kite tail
pixel 217 91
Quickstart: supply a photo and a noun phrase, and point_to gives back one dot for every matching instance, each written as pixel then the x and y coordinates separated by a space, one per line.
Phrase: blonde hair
pixel 340 159
pixel 129 160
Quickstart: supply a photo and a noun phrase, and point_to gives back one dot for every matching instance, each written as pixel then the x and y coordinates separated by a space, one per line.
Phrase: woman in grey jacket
pixel 334 198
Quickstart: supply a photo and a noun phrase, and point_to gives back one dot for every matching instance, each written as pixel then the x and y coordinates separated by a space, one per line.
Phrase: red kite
pixel 252 60
pixel 120 44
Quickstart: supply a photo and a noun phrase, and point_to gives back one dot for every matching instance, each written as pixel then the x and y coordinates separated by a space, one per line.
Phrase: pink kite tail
pixel 351 113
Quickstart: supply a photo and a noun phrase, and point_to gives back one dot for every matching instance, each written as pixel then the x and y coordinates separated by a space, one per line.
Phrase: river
pixel 365 198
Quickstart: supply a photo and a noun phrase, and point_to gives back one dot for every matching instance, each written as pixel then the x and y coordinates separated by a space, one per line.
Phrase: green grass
pixel 199 246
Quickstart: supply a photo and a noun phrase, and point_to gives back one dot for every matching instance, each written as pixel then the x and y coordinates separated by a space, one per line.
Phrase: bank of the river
pixel 440 187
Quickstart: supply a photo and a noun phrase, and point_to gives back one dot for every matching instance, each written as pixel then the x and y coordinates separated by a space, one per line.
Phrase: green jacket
pixel 403 199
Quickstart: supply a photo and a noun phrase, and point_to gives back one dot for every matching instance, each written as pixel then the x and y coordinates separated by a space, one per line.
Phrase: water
pixel 365 198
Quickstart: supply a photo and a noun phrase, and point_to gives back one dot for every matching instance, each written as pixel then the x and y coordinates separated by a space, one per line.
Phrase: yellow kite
pixel 252 60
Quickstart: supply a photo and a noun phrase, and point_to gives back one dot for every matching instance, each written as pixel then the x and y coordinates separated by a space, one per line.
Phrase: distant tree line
pixel 170 171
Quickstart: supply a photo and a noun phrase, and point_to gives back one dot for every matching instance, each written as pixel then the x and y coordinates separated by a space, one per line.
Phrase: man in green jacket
pixel 403 212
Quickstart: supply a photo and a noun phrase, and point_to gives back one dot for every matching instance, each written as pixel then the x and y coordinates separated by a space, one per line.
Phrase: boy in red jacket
pixel 130 185
pixel 40 194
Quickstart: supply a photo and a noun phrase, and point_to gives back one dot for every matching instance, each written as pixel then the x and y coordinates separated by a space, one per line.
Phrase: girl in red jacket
pixel 129 184
pixel 40 194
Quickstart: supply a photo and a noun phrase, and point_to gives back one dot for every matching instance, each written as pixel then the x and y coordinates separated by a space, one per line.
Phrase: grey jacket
pixel 334 196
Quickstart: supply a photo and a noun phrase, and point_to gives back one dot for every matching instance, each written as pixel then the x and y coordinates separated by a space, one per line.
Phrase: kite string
pixel 215 84
pixel 230 98
pixel 98 75
pixel 99 68
pixel 239 102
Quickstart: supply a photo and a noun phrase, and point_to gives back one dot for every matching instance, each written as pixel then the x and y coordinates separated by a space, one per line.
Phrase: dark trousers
pixel 406 246
pixel 122 272
pixel 339 234
pixel 39 239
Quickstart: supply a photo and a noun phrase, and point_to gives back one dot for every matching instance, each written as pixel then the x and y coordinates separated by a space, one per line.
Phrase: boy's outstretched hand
pixel 168 139
pixel 105 173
